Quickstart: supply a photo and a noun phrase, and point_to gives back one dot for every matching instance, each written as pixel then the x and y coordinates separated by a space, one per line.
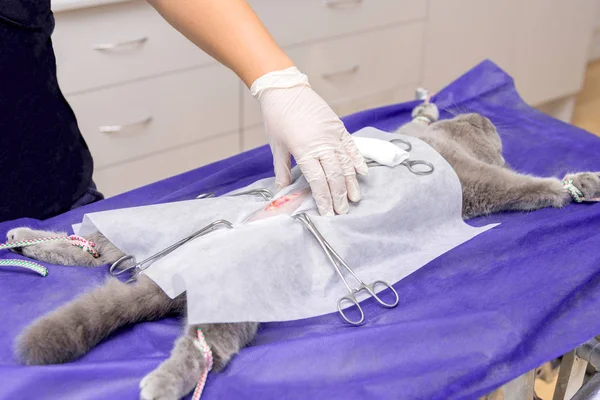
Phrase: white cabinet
pixel 144 117
pixel 151 105
pixel 301 21
pixel 353 67
pixel 109 45
pixel 142 171
pixel 543 44
pixel 462 33
pixel 552 47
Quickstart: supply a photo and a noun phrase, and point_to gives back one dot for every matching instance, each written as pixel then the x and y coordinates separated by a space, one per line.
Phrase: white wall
pixel 595 48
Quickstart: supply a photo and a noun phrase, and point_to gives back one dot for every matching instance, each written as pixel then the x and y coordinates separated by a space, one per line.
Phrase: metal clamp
pixel 264 193
pixel 119 45
pixel 337 261
pixel 119 128
pixel 206 196
pixel 412 165
pixel 406 143
pixel 136 268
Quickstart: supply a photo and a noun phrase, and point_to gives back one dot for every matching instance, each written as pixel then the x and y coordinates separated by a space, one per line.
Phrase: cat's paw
pixel 50 340
pixel 24 233
pixel 587 182
pixel 428 110
pixel 161 384
pixel 60 252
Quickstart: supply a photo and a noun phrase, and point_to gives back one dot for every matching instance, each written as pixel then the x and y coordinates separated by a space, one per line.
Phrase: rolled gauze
pixel 381 151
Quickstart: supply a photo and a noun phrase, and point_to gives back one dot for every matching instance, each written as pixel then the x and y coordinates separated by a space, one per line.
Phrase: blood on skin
pixel 283 205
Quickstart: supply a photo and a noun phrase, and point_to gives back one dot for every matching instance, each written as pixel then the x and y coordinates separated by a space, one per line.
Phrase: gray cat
pixel 469 142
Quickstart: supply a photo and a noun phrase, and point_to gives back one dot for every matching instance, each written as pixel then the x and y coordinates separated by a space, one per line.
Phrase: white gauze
pixel 272 269
pixel 382 151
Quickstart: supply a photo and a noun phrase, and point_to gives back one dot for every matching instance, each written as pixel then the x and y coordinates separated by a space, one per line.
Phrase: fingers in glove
pixel 353 188
pixel 334 173
pixel 282 167
pixel 315 176
pixel 349 173
pixel 357 159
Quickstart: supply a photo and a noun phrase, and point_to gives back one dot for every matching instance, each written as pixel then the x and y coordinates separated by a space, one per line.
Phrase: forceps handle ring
pixel 115 271
pixel 371 289
pixel 404 142
pixel 351 299
pixel 410 164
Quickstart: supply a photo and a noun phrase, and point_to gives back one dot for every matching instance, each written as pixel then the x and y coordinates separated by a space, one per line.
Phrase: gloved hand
pixel 299 122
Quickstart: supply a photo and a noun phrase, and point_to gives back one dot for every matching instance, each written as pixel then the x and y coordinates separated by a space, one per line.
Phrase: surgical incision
pixel 282 205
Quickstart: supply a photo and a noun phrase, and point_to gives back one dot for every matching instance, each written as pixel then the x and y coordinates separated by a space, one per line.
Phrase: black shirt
pixel 45 164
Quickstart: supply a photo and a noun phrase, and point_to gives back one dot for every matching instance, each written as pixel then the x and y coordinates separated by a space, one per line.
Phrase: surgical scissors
pixel 139 267
pixel 336 261
pixel 410 164
pixel 264 193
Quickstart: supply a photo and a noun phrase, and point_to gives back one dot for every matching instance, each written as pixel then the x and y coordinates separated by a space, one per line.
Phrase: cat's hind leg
pixel 72 330
pixel 179 374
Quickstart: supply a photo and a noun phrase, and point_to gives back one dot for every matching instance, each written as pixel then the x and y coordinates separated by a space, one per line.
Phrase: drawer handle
pixel 337 4
pixel 119 128
pixel 115 46
pixel 349 71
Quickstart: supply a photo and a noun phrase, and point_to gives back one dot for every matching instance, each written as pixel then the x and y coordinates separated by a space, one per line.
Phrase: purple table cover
pixel 473 319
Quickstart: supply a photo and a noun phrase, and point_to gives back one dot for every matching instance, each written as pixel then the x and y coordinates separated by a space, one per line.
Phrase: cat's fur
pixel 78 326
pixel 468 142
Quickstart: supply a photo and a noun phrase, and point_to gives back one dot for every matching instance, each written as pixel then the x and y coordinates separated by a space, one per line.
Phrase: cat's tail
pixel 75 328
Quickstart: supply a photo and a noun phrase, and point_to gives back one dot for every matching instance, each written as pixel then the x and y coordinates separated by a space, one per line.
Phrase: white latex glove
pixel 299 122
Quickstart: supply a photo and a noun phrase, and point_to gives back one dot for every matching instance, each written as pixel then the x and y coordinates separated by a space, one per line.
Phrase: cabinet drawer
pixel 116 43
pixel 353 67
pixel 295 21
pixel 130 175
pixel 157 114
pixel 393 96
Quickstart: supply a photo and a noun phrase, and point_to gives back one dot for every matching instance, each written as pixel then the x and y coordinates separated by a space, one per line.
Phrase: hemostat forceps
pixel 140 266
pixel 264 193
pixel 336 261
pixel 410 164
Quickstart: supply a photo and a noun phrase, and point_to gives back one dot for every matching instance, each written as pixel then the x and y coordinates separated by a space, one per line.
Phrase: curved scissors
pixel 136 268
pixel 410 164
pixel 336 261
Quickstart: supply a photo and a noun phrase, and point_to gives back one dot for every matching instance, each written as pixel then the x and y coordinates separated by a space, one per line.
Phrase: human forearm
pixel 229 31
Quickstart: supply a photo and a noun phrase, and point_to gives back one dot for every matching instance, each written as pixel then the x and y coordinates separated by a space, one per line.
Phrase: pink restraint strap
pixel 204 348
pixel 78 241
